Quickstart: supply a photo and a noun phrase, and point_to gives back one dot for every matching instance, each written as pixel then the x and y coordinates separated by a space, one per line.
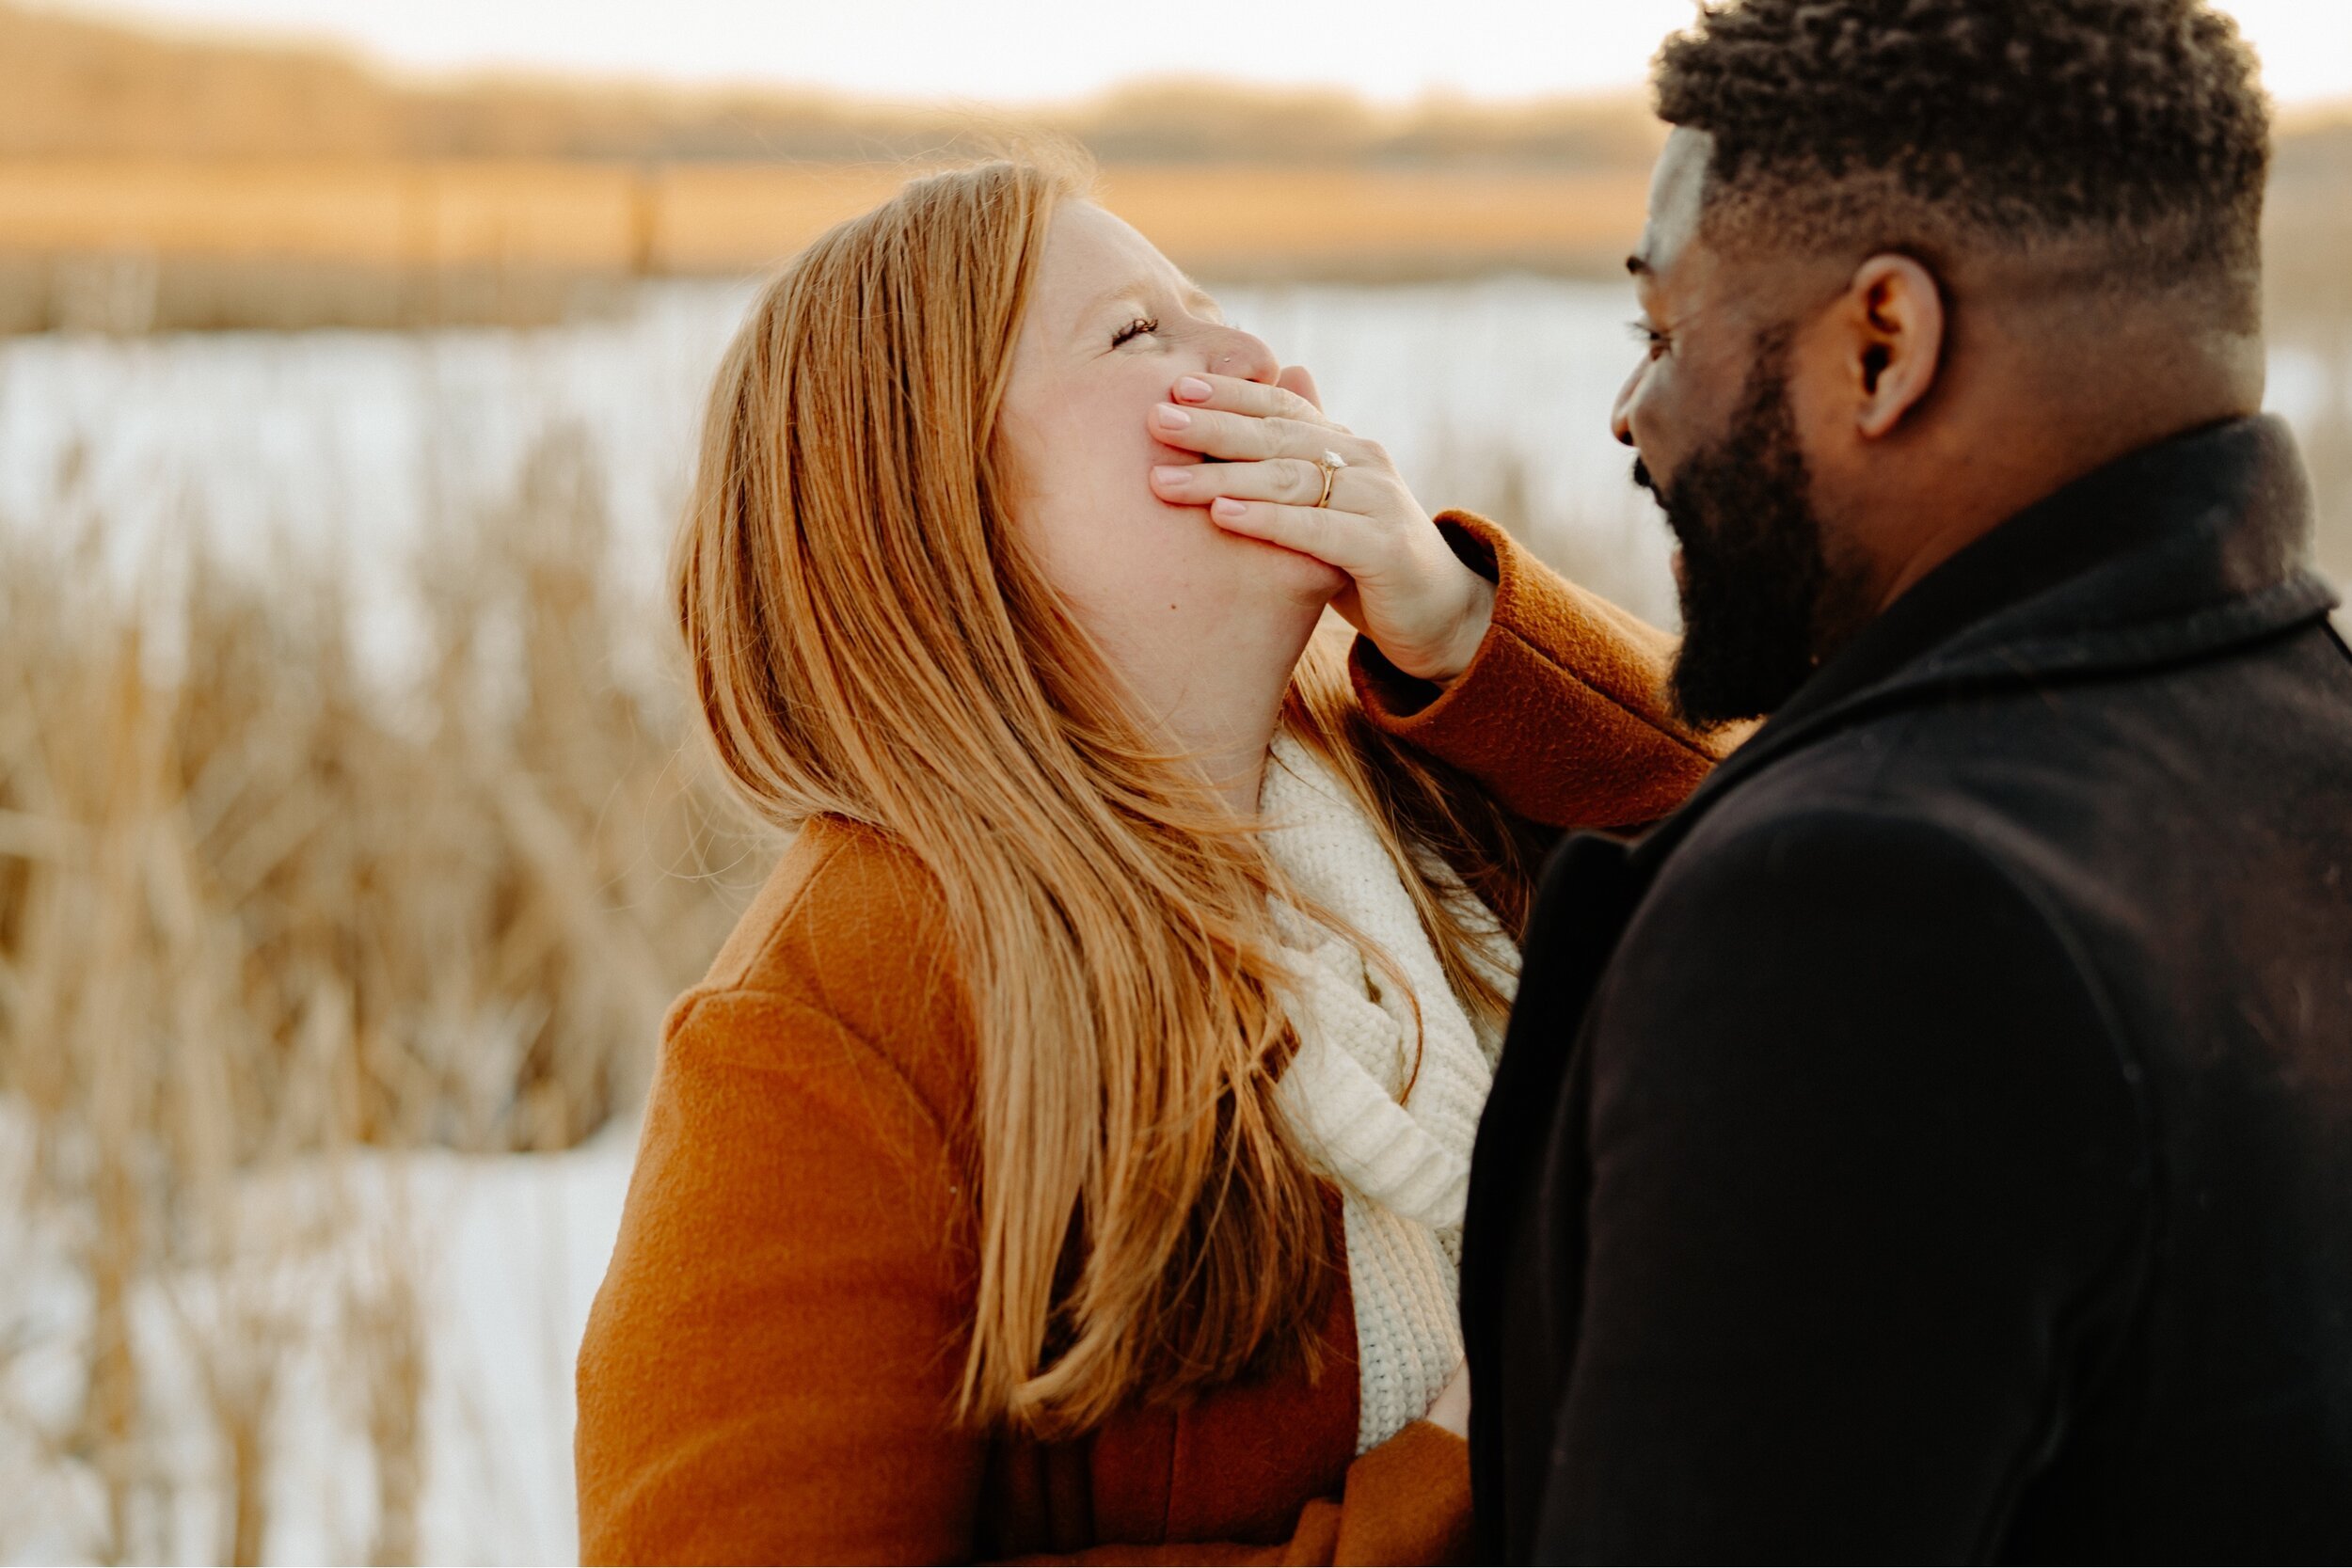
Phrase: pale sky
pixel 1025 51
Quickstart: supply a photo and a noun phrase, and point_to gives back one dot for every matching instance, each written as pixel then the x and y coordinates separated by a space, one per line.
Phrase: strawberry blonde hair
pixel 870 640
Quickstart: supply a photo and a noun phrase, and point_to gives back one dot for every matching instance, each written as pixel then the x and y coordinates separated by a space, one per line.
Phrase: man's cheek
pixel 1657 450
pixel 1653 471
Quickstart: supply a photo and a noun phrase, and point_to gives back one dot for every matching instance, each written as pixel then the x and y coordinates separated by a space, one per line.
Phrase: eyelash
pixel 1649 338
pixel 1136 329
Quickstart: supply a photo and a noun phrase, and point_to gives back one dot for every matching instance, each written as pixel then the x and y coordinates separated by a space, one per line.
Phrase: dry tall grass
pixel 255 912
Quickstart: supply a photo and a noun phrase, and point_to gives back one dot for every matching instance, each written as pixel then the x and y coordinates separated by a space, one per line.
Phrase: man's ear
pixel 1897 336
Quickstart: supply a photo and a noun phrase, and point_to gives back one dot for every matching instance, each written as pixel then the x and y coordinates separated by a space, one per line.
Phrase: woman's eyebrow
pixel 1134 289
pixel 1196 299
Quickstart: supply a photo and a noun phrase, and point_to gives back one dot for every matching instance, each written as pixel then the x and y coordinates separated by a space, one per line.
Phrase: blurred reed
pixel 258 913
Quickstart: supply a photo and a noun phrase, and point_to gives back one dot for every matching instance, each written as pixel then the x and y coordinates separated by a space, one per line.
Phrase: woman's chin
pixel 1256 568
pixel 1296 576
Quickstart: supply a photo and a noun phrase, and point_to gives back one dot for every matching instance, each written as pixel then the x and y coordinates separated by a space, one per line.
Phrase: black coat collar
pixel 2184 548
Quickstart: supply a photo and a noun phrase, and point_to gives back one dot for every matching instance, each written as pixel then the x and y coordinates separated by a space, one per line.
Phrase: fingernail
pixel 1173 476
pixel 1172 418
pixel 1227 508
pixel 1192 389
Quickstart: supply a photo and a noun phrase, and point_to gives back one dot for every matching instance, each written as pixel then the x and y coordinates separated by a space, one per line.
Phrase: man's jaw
pixel 1645 480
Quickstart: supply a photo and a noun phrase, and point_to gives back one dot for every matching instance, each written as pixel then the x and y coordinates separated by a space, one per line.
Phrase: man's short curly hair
pixel 2137 127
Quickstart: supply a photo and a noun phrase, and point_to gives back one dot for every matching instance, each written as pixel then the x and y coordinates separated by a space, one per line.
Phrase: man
pixel 1935 1142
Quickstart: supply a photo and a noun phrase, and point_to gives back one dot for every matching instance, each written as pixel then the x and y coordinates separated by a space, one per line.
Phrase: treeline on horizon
pixel 73 86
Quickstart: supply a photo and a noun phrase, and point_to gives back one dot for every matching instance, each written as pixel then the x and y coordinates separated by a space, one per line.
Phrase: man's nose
pixel 1621 412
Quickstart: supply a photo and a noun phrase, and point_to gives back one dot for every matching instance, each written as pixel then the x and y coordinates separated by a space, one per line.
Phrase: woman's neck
pixel 1233 748
pixel 1217 700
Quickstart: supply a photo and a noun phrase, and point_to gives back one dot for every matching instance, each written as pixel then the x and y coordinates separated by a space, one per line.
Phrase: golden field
pixel 154 180
pixel 689 218
pixel 131 244
pixel 128 245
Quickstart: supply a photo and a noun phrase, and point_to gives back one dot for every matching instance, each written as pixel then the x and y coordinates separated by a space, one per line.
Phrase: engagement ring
pixel 1330 462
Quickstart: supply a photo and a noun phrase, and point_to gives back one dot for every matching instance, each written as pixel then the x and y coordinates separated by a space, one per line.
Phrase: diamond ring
pixel 1330 462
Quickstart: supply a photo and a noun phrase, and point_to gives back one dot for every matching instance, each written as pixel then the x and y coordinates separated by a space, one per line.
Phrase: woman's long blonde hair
pixel 868 638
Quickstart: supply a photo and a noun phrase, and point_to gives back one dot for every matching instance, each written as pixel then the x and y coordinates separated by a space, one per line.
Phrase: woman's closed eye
pixel 1134 328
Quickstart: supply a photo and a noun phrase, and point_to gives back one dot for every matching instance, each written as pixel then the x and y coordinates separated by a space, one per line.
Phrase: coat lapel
pixel 1589 892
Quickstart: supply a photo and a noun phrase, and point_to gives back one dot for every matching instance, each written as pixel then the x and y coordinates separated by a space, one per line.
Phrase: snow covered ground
pixel 1492 393
pixel 363 443
pixel 506 1254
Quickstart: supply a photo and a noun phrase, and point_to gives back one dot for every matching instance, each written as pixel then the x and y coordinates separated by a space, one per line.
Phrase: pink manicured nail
pixel 1227 508
pixel 1172 418
pixel 1192 389
pixel 1171 476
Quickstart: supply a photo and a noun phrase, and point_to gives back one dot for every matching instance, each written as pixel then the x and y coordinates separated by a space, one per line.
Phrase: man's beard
pixel 1761 601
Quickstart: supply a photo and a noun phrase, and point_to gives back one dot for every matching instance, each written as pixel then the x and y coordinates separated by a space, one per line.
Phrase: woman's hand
pixel 1410 594
pixel 1450 1410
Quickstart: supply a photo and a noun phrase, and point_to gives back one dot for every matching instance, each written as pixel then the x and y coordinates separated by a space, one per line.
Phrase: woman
pixel 1066 1153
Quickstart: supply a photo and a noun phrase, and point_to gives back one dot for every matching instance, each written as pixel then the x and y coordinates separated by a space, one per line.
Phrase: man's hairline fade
pixel 1804 159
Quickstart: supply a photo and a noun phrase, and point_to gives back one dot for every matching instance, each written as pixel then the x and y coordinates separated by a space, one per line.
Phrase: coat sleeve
pixel 770 1368
pixel 1865 1192
pixel 1562 712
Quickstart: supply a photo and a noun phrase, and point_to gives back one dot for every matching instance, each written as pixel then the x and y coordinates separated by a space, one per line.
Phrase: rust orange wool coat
pixel 768 1367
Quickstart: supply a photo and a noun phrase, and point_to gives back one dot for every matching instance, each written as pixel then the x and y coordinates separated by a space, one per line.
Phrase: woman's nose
pixel 1236 352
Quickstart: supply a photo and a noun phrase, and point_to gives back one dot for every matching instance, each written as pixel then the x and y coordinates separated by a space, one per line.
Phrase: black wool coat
pixel 1934 1142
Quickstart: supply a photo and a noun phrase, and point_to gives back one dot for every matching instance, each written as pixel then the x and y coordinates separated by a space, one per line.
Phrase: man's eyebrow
pixel 1637 265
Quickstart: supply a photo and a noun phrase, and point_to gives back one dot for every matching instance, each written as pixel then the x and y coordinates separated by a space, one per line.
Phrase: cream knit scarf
pixel 1403 1168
